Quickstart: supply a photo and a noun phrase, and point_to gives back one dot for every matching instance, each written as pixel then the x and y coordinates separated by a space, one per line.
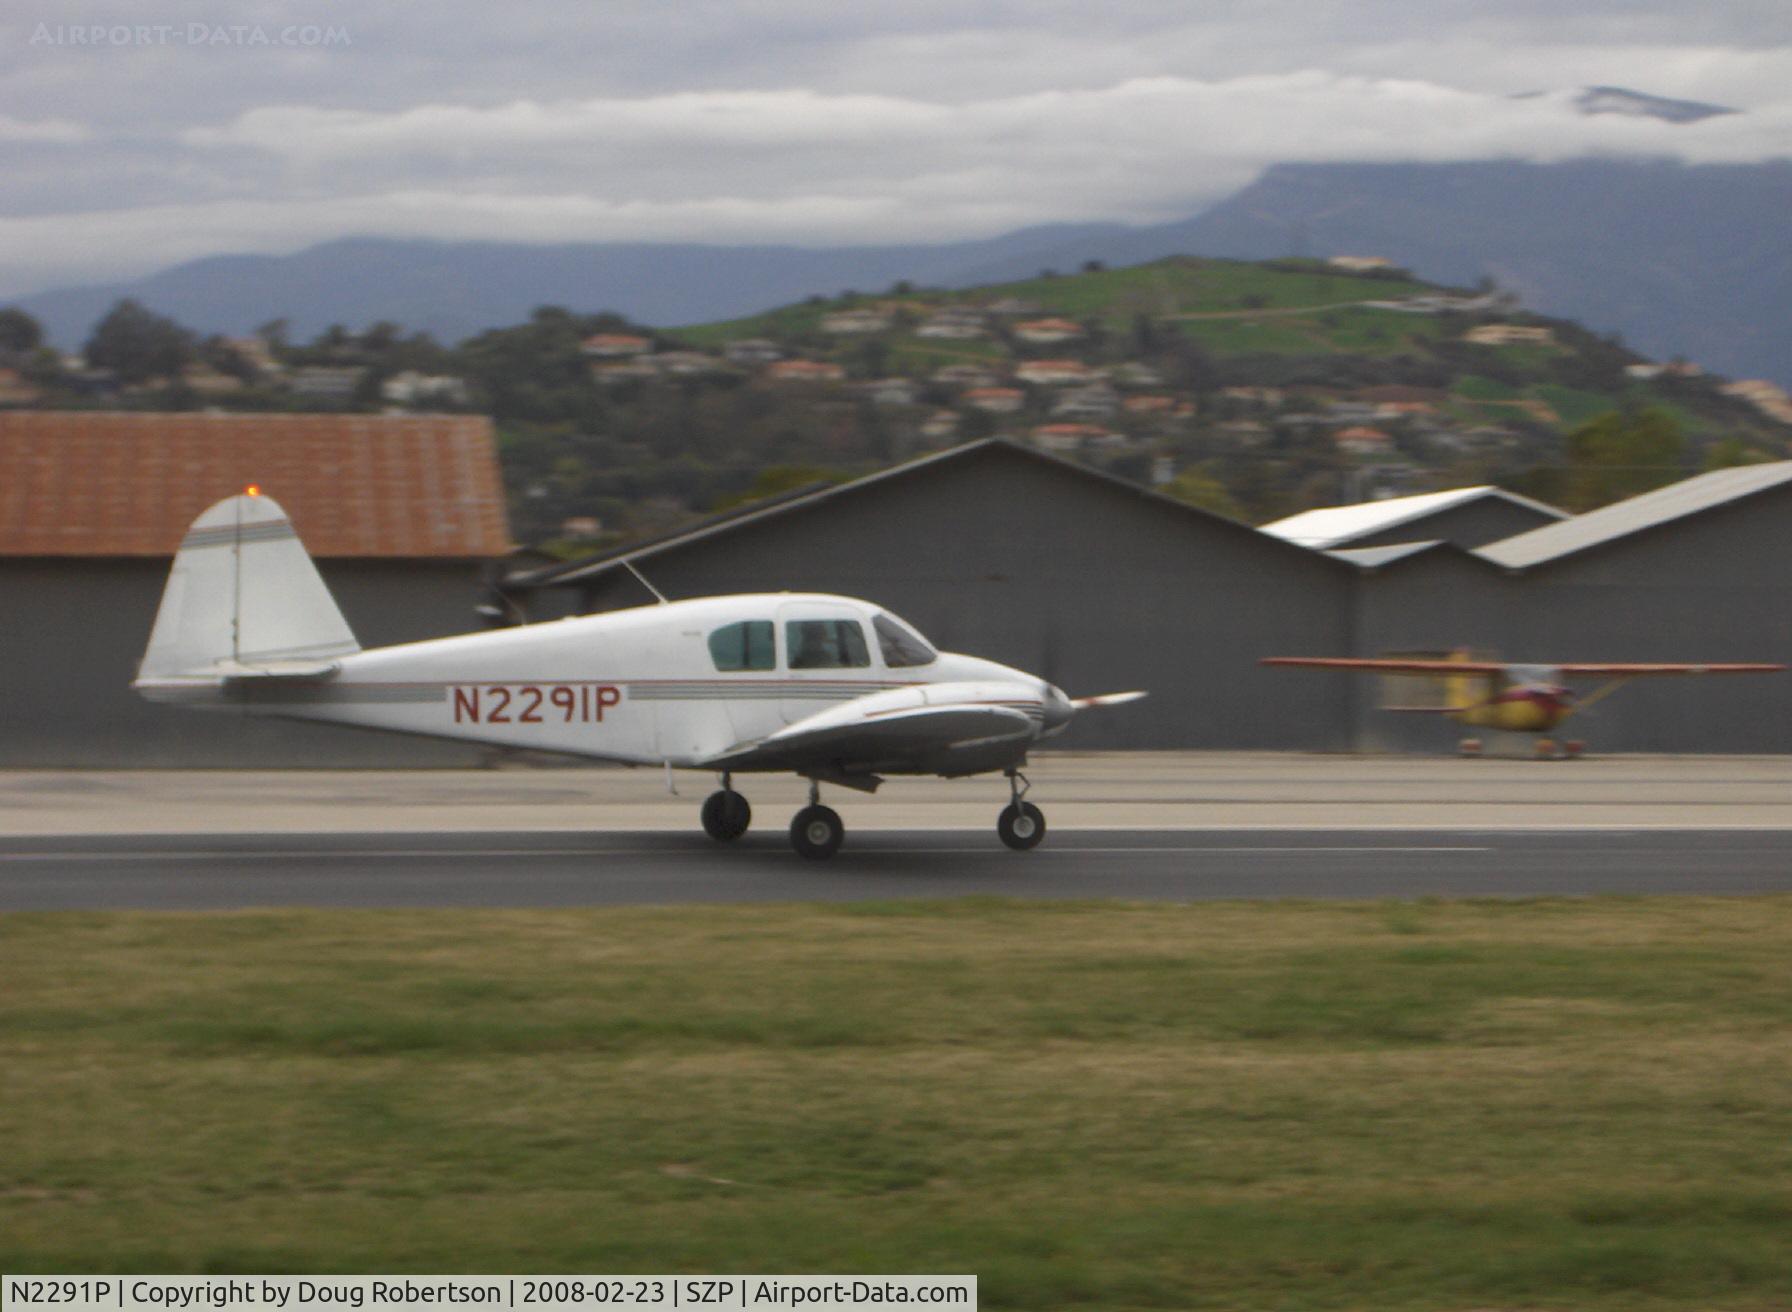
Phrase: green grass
pixel 1113 296
pixel 1554 1104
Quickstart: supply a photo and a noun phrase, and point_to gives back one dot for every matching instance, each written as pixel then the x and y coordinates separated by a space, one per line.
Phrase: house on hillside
pixel 846 322
pixel 752 351
pixel 327 382
pixel 954 325
pixel 1042 332
pixel 1098 401
pixel 995 400
pixel 612 346
pixel 16 389
pixel 1362 440
pixel 1056 373
pixel 1509 334
pixel 965 375
pixel 806 371
pixel 1769 398
pixel 412 388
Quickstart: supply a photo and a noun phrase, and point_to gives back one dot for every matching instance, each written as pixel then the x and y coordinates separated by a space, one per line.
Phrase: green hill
pixel 1258 388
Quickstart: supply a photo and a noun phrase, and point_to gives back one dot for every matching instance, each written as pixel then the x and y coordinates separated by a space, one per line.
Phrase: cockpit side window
pixel 826 645
pixel 747 645
pixel 902 646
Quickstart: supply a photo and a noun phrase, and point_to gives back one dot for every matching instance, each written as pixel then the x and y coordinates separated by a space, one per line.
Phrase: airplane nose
pixel 1058 709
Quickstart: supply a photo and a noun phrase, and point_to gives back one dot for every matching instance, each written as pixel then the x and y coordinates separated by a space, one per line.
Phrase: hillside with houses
pixel 1256 389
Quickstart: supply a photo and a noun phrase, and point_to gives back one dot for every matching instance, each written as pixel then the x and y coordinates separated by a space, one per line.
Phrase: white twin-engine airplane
pixel 830 688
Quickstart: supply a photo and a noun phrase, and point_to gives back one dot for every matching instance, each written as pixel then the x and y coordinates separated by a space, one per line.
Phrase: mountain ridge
pixel 1681 260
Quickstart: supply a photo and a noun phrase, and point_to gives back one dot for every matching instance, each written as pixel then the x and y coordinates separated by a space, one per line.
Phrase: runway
pixel 508 869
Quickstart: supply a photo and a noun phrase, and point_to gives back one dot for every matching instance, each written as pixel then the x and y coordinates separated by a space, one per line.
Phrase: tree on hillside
pixel 19 332
pixel 139 344
pixel 1620 454
pixel 1733 451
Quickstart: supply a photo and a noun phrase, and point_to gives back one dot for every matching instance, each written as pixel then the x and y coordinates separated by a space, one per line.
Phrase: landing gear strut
pixel 1021 824
pixel 726 814
pixel 816 832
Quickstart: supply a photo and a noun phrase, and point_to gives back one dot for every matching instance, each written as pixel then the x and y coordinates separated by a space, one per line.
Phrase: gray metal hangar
pixel 405 516
pixel 1466 516
pixel 1699 570
pixel 1002 551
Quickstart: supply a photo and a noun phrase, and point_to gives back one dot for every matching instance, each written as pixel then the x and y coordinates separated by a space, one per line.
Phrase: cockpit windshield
pixel 901 645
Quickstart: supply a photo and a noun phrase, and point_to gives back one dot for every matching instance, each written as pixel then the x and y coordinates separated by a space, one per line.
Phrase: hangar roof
pixel 88 483
pixel 1621 519
pixel 796 502
pixel 1332 526
pixel 1376 557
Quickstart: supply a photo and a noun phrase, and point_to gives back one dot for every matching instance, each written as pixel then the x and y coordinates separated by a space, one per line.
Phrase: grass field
pixel 1555 1104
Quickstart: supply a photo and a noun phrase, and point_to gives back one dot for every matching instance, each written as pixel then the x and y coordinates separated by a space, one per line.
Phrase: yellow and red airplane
pixel 1512 698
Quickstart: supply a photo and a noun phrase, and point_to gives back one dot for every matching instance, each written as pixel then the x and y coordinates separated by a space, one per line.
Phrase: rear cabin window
pixel 902 646
pixel 826 645
pixel 743 646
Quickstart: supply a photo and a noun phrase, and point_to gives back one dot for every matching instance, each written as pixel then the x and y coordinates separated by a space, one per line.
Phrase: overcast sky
pixel 136 133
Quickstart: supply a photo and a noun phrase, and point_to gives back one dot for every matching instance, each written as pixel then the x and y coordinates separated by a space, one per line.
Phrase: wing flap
pixel 889 740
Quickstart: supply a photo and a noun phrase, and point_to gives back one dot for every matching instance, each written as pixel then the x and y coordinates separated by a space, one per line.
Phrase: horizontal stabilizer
pixel 274 671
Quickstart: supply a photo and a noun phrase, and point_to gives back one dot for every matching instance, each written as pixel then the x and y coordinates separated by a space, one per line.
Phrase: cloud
pixel 808 166
pixel 47 131
pixel 1059 138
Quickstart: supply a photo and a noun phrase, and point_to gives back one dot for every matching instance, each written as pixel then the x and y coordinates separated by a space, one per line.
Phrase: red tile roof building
pixel 85 483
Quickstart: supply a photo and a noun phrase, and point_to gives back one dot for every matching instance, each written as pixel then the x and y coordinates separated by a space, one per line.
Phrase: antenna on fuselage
pixel 629 565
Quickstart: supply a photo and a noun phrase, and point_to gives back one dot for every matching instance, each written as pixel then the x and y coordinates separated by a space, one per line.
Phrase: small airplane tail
pixel 243 599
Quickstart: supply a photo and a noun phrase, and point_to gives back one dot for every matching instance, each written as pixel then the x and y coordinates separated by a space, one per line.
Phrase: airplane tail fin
pixel 243 598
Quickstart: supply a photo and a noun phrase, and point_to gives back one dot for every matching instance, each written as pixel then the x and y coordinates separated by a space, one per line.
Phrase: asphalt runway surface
pixel 547 869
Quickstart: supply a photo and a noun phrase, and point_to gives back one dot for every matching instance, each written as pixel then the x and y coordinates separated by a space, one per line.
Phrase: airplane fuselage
pixel 680 682
pixel 1522 709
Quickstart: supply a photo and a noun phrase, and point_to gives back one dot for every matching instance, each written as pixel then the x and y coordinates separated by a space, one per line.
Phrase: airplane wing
pixel 1448 667
pixel 1389 665
pixel 1632 671
pixel 935 729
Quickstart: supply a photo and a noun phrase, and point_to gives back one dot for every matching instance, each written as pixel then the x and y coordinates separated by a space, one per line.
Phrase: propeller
pixel 1059 708
pixel 1106 699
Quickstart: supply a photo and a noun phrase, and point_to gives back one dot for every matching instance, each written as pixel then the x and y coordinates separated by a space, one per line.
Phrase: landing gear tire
pixel 726 815
pixel 1021 825
pixel 816 832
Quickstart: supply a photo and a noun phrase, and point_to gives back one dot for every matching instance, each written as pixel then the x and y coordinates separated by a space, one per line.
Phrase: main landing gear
pixel 816 831
pixel 726 814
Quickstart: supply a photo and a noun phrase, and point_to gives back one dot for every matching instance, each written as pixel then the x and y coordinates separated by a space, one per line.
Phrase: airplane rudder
pixel 242 590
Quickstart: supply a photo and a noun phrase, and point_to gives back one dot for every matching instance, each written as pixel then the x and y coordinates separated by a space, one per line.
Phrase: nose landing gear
pixel 1021 825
